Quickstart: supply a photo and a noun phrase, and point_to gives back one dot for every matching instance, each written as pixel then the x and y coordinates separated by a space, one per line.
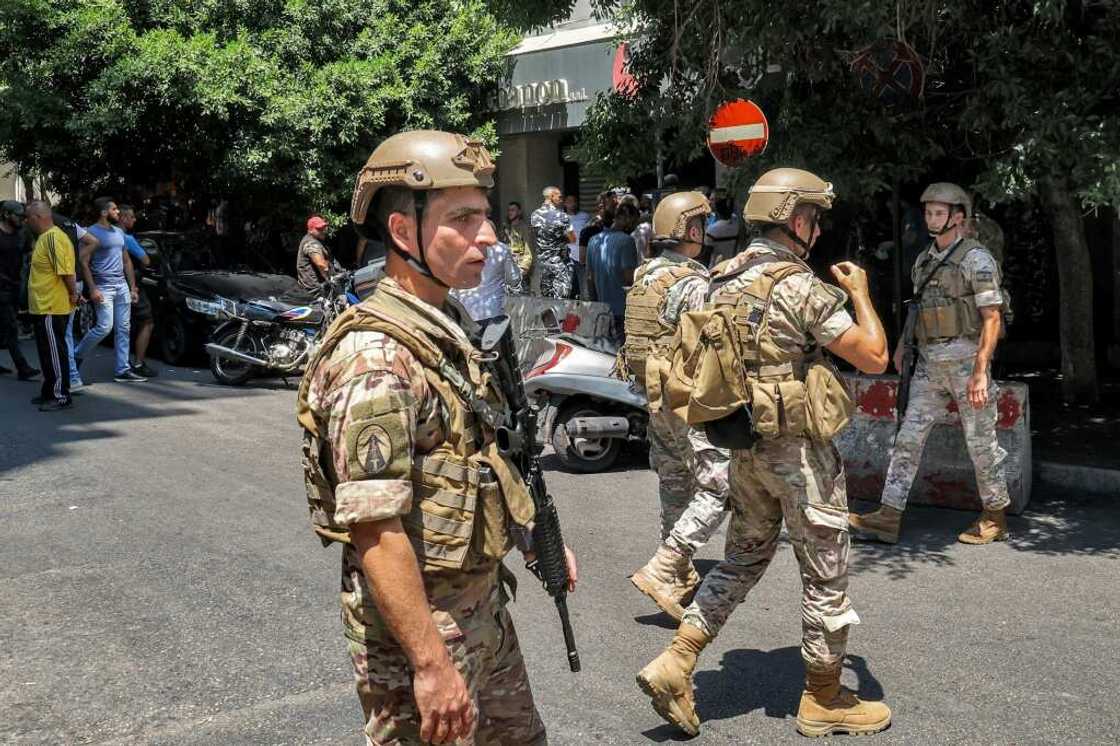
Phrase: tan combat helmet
pixel 670 219
pixel 420 160
pixel 778 192
pixel 949 194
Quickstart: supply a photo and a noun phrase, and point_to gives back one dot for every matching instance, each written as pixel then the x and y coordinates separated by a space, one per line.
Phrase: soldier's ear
pixel 402 231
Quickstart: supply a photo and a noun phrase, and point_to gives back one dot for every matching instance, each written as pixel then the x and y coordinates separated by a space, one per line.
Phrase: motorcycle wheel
pixel 233 372
pixel 583 455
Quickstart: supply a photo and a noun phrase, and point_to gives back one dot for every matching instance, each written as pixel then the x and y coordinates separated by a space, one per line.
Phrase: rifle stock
pixel 517 439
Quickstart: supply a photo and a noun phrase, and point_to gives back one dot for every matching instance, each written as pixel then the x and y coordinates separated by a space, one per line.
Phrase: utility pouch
pixel 829 404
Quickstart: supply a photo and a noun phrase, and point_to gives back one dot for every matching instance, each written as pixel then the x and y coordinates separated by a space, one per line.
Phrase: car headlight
pixel 205 307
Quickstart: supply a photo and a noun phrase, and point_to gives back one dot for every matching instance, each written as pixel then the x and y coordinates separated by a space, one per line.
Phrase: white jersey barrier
pixel 946 477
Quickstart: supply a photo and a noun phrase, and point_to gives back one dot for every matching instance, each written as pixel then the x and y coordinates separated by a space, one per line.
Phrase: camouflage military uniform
pixel 941 377
pixel 550 226
pixel 381 416
pixel 789 477
pixel 692 473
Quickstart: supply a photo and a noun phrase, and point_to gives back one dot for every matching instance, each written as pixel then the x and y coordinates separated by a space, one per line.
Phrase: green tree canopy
pixel 273 102
pixel 1020 98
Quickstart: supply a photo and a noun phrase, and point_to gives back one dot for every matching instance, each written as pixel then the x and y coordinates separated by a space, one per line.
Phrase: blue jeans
pixel 75 376
pixel 115 306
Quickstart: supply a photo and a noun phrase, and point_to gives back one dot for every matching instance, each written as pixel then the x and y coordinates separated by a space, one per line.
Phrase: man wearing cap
pixel 313 260
pixel 402 468
pixel 959 322
pixel 13 248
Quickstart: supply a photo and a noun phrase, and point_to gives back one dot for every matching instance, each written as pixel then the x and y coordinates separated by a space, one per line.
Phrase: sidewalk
pixel 1075 447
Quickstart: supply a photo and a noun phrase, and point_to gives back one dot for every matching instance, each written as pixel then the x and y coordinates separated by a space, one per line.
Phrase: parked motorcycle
pixel 270 335
pixel 592 413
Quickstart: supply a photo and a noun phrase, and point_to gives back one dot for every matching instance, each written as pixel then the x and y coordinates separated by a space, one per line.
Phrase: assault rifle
pixel 909 359
pixel 517 438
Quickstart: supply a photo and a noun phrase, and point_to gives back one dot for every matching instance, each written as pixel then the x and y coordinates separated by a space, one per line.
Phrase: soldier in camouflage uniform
pixel 552 232
pixel 692 473
pixel 401 466
pixel 958 325
pixel 783 314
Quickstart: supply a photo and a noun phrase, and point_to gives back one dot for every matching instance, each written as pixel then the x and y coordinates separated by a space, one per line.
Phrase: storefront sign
pixel 539 93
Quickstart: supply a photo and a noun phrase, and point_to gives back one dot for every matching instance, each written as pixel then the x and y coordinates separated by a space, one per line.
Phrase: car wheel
pixel 583 455
pixel 174 340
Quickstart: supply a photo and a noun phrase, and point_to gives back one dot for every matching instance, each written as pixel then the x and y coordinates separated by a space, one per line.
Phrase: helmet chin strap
pixel 421 264
pixel 945 228
pixel 805 247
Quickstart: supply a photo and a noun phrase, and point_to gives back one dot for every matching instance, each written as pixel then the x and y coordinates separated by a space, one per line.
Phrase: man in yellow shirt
pixel 51 296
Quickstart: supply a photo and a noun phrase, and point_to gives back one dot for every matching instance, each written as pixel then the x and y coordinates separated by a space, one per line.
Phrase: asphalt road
pixel 159 584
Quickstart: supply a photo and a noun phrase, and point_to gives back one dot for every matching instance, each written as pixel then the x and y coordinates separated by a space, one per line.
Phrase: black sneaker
pixel 128 377
pixel 54 405
pixel 143 370
pixel 29 374
pixel 4 371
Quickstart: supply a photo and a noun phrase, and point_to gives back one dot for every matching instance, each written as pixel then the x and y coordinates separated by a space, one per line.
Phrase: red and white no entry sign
pixel 737 131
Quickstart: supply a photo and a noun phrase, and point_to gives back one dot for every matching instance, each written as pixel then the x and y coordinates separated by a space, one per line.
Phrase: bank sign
pixel 551 89
pixel 541 93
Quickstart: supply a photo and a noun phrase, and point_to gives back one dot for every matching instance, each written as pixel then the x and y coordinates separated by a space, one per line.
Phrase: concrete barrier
pixel 946 477
pixel 589 320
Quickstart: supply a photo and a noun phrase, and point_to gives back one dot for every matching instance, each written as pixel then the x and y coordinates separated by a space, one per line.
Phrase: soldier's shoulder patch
pixel 378 449
pixel 985 275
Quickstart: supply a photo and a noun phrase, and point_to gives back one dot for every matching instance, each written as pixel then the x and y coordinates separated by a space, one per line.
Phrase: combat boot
pixel 882 525
pixel 667 680
pixel 990 526
pixel 668 578
pixel 827 708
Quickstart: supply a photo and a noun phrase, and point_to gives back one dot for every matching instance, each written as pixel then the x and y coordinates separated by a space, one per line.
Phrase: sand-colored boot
pixel 668 578
pixel 667 680
pixel 828 708
pixel 882 525
pixel 990 526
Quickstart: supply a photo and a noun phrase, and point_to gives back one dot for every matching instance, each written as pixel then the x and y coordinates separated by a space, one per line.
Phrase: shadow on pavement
pixel 770 681
pixel 28 436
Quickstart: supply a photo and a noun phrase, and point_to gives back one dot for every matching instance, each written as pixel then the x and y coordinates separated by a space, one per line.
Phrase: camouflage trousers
pixel 557 274
pixel 935 385
pixel 469 611
pixel 802 482
pixel 692 481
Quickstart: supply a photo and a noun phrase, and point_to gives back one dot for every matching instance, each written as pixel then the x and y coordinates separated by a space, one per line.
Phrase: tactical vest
pixel 947 306
pixel 647 336
pixel 468 501
pixel 727 358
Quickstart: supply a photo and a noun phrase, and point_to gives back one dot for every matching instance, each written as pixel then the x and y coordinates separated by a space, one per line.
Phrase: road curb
pixel 1076 477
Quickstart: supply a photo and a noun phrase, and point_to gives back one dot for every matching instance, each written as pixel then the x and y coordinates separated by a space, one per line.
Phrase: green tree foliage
pixel 1021 98
pixel 273 102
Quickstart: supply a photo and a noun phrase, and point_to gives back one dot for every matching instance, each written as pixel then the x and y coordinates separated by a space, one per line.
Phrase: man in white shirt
pixel 579 220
